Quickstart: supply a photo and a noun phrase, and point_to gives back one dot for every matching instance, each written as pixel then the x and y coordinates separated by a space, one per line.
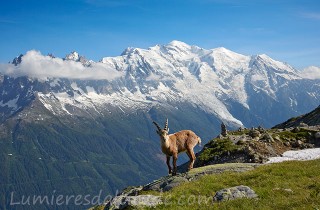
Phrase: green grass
pixel 238 133
pixel 287 185
pixel 302 134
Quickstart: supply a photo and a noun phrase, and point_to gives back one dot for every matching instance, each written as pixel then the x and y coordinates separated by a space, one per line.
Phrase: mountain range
pixel 77 126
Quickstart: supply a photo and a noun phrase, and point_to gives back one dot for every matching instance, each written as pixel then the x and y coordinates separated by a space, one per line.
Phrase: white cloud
pixel 36 65
pixel 311 72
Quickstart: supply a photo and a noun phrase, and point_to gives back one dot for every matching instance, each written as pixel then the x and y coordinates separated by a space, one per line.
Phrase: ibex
pixel 172 144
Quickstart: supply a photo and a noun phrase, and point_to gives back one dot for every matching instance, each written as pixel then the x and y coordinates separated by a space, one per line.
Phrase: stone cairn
pixel 224 131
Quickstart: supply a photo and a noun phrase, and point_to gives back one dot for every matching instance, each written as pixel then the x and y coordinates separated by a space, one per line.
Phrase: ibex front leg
pixel 174 161
pixel 168 164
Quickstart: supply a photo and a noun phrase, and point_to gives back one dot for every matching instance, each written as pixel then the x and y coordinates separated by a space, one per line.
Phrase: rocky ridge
pixel 256 145
pixel 311 118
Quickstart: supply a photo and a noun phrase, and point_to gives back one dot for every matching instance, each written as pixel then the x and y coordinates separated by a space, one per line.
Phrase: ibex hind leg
pixel 192 158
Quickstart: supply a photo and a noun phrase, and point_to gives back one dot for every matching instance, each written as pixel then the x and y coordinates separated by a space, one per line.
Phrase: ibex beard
pixel 173 144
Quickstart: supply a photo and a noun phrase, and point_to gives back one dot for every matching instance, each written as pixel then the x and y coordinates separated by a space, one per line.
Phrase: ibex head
pixel 163 133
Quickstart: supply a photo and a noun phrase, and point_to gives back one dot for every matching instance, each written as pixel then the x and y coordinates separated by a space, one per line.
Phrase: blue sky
pixel 286 30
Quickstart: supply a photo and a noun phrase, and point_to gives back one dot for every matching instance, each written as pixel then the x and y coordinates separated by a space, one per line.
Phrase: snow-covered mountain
pixel 218 81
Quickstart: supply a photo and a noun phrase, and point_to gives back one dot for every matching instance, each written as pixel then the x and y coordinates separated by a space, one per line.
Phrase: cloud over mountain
pixel 36 65
pixel 311 72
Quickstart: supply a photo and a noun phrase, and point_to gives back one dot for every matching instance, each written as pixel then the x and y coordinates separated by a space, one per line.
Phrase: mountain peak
pixel 264 57
pixel 51 55
pixel 127 51
pixel 274 63
pixel 178 44
pixel 222 49
pixel 74 56
pixel 17 60
pixel 225 51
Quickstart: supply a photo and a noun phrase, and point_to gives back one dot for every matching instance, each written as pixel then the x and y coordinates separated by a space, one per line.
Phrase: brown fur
pixel 173 144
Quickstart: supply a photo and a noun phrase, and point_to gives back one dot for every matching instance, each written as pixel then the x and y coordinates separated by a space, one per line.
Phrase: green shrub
pixel 217 147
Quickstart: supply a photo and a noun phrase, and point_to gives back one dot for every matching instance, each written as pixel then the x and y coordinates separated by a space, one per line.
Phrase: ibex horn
pixel 156 124
pixel 166 125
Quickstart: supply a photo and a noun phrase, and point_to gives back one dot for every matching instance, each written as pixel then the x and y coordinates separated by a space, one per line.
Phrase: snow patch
pixel 11 103
pixel 306 154
pixel 54 83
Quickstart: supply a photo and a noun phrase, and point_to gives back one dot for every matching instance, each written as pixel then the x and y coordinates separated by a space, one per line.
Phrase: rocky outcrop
pixel 256 145
pixel 167 183
pixel 134 196
pixel 253 133
pixel 139 201
pixel 235 193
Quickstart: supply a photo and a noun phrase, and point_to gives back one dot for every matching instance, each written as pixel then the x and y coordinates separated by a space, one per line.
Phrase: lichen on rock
pixel 233 193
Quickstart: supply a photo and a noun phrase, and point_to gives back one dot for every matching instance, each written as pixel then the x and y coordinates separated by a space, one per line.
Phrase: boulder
pixel 302 124
pixel 296 129
pixel 254 133
pixel 166 183
pixel 267 138
pixel 235 193
pixel 131 190
pixel 261 129
pixel 296 144
pixel 139 201
pixel 277 138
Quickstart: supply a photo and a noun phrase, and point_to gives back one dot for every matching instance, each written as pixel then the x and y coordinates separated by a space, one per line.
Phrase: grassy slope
pixel 287 185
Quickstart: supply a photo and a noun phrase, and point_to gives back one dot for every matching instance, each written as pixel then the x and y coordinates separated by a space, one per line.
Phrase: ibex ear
pixel 168 130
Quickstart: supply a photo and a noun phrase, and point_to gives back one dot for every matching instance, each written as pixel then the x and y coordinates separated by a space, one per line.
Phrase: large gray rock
pixel 267 138
pixel 235 193
pixel 131 191
pixel 139 201
pixel 166 183
pixel 254 133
